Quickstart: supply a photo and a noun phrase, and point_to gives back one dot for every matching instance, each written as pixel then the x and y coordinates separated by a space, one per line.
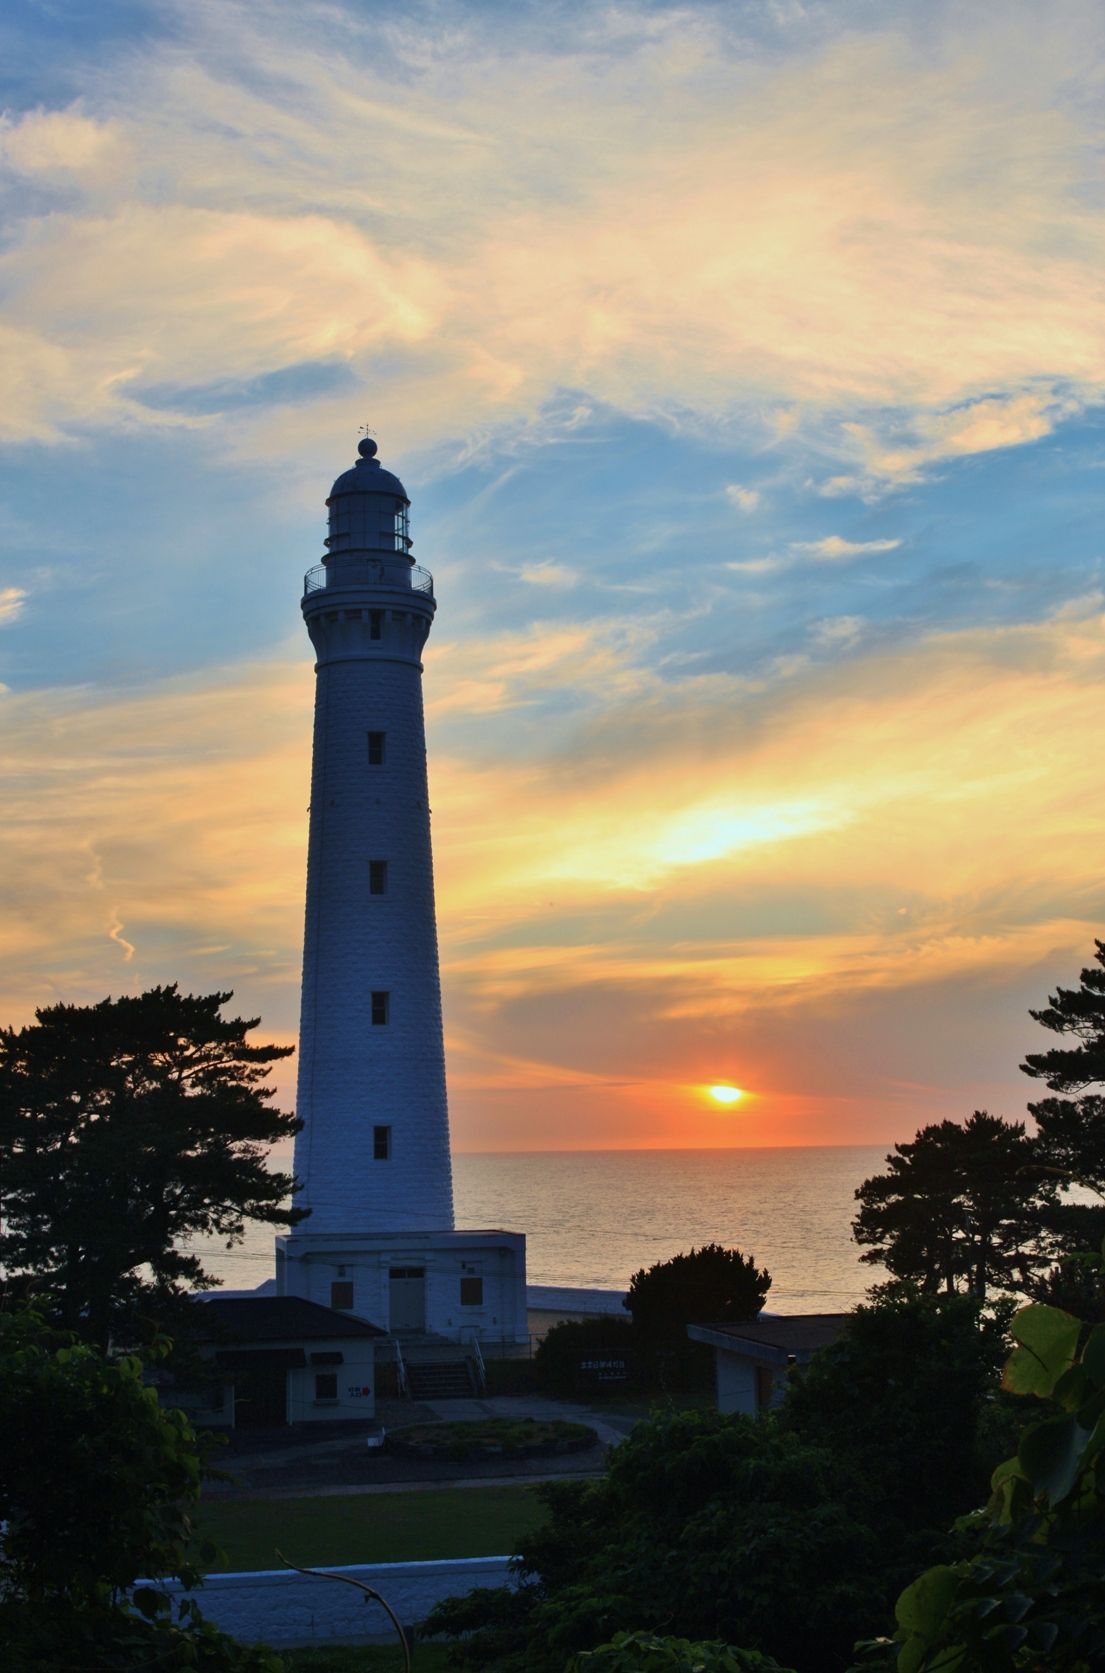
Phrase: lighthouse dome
pixel 369 509
pixel 368 476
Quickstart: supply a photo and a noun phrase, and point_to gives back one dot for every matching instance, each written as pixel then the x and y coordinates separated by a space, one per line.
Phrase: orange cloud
pixel 663 884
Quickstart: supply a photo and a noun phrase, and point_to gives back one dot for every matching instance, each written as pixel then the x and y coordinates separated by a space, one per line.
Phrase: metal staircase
pixel 437 1369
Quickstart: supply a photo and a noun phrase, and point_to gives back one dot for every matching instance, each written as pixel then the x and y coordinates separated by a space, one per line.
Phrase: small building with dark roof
pixel 752 1359
pixel 279 1359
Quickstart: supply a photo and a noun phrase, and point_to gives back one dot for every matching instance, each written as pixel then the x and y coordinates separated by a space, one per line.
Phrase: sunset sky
pixel 746 368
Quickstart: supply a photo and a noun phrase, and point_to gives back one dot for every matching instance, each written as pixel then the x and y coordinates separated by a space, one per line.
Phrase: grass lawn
pixel 370 1527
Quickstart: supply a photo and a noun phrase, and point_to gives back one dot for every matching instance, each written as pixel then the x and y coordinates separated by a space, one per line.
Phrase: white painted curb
pixel 279 1606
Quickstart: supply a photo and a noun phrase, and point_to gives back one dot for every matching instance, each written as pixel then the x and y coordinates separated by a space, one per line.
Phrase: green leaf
pixel 1072 1388
pixel 1093 1355
pixel 1052 1454
pixel 1048 1340
pixel 1042 1635
pixel 923 1607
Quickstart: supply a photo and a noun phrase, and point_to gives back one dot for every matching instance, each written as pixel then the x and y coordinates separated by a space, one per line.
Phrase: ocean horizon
pixel 594 1217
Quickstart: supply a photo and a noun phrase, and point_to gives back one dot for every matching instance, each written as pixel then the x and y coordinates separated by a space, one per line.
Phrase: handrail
pixel 481 1369
pixel 401 1373
pixel 320 577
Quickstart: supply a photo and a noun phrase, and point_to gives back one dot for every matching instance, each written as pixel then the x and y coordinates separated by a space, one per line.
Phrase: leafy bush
pixel 1029 1595
pixel 643 1652
pixel 711 1285
pixel 510 1376
pixel 97 1486
pixel 714 1527
pixel 911 1377
pixel 518 1436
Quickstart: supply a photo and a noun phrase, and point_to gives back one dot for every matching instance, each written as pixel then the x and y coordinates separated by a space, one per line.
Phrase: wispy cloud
pixel 549 574
pixel 833 255
pixel 744 499
pixel 838 631
pixel 11 603
pixel 769 872
pixel 899 454
pixel 833 548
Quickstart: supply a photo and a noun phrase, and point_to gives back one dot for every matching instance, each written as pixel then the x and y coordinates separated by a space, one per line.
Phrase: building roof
pixel 280 1318
pixel 774 1340
pixel 563 1298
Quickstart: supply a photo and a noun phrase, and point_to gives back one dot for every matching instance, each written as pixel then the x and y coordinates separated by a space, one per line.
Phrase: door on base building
pixel 407 1298
pixel 261 1397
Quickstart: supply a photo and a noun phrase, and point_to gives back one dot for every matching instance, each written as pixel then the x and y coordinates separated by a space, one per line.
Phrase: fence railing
pixel 372 570
pixel 481 1370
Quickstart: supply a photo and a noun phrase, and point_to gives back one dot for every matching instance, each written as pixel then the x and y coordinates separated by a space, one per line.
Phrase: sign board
pixel 602 1370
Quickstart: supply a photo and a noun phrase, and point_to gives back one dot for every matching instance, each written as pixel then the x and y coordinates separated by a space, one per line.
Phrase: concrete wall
pixel 736 1383
pixel 356 1384
pixel 307 1265
pixel 280 1607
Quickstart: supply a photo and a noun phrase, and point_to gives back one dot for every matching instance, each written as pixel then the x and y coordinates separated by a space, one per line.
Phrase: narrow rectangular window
pixel 381 1144
pixel 375 749
pixel 377 877
pixel 471 1292
pixel 341 1293
pixel 381 1005
pixel 375 624
pixel 326 1385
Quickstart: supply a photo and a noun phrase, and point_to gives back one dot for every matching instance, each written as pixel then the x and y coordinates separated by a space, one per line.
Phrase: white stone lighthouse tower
pixel 374 1149
pixel 373 1155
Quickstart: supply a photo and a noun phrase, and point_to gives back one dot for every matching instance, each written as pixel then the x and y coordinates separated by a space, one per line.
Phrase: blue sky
pixel 745 368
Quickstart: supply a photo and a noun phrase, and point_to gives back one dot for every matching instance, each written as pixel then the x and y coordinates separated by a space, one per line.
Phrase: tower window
pixel 376 749
pixel 375 624
pixel 381 1007
pixel 471 1292
pixel 381 1144
pixel 377 877
pixel 402 527
pixel 341 1294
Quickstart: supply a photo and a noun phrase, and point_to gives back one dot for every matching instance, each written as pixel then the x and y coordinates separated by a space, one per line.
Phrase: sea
pixel 593 1218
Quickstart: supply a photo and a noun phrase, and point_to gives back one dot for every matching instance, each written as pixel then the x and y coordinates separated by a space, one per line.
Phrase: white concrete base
pixel 281 1607
pixel 470 1285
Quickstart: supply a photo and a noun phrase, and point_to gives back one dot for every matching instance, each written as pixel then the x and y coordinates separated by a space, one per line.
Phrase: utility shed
pixel 752 1360
pixel 284 1360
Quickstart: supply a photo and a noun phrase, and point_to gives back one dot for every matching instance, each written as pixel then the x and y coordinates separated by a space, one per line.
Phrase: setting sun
pixel 725 1094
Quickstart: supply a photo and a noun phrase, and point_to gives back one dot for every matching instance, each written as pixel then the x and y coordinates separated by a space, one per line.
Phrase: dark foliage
pixel 125 1126
pixel 97 1486
pixel 646 1652
pixel 711 1285
pixel 1028 1595
pixel 911 1377
pixel 1072 1125
pixel 960 1208
pixel 703 1526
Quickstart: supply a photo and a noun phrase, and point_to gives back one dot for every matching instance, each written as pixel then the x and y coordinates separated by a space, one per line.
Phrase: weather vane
pixel 367 430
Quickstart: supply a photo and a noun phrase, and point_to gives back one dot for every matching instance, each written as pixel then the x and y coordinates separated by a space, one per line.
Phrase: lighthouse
pixel 373 1156
pixel 374 1148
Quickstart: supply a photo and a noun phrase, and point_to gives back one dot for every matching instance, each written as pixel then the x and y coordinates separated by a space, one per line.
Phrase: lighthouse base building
pixel 464 1286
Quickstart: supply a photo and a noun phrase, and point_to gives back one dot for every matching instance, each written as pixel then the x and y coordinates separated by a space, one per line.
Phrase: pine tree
pixel 960 1208
pixel 1072 1128
pixel 126 1127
